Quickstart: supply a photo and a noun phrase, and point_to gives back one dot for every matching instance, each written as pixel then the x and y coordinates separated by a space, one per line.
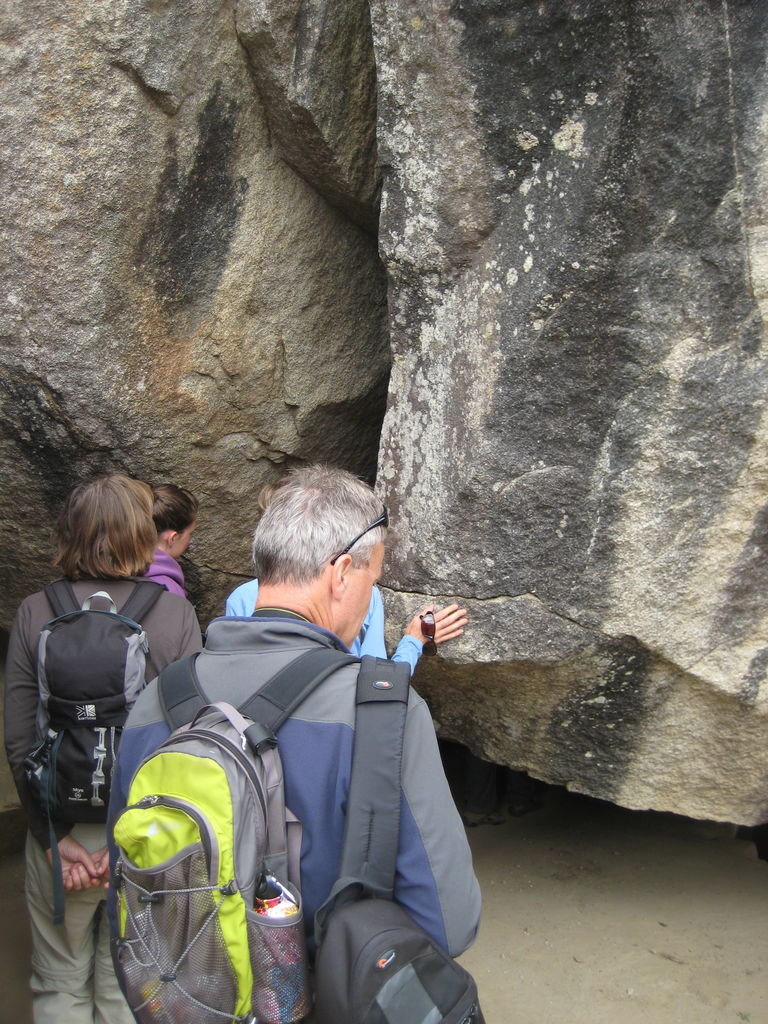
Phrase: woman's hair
pixel 173 508
pixel 105 530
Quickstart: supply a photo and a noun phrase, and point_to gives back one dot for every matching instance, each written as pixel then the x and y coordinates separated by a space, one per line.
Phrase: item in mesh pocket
pixel 279 963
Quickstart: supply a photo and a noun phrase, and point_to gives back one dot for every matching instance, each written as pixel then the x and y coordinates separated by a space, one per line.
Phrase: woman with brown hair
pixel 106 538
pixel 174 511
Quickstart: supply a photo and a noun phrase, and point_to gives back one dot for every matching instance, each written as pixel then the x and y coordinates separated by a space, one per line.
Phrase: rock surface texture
pixel 183 298
pixel 574 227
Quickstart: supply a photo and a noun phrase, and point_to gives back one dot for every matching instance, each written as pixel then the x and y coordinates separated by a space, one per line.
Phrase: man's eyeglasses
pixel 383 520
pixel 428 631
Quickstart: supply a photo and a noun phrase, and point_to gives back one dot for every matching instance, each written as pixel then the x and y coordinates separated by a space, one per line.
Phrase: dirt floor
pixel 598 915
pixel 593 915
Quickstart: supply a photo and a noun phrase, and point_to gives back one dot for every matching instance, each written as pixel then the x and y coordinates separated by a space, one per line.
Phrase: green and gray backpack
pixel 205 825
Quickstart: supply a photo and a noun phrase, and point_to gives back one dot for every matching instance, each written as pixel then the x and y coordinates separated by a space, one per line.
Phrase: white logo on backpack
pixel 86 712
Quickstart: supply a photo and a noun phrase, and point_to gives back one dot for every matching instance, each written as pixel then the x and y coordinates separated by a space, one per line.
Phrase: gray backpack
pixel 205 833
pixel 374 964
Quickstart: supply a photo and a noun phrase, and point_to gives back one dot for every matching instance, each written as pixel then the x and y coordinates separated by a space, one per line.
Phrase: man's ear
pixel 340 571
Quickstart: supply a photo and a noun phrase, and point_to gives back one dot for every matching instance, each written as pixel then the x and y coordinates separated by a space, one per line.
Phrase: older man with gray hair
pixel 318 550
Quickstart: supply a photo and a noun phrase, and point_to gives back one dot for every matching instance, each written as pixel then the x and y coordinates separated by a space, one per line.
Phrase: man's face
pixel 357 598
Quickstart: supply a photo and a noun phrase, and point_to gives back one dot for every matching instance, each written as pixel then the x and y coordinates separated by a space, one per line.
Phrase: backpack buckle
pixel 259 738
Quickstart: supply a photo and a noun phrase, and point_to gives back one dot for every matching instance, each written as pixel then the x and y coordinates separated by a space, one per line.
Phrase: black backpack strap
pixel 372 829
pixel 180 693
pixel 61 597
pixel 182 696
pixel 373 817
pixel 279 698
pixel 145 596
pixel 48 793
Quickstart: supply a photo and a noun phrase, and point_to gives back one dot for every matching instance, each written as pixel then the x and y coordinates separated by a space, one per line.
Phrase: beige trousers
pixel 73 980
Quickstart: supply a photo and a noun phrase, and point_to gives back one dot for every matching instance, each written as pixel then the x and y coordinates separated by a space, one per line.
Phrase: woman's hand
pixel 79 868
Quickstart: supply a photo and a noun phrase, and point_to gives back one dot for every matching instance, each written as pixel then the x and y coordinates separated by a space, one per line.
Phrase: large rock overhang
pixel 573 224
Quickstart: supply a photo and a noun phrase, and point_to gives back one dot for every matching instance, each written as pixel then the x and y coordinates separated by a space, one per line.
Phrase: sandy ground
pixel 593 914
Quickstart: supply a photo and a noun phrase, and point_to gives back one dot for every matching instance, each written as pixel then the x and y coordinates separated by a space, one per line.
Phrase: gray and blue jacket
pixel 435 880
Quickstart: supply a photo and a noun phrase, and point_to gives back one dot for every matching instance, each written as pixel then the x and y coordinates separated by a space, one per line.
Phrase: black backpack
pixel 374 964
pixel 91 667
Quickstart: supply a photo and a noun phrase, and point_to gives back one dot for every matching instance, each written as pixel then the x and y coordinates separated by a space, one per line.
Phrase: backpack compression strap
pixel 182 696
pixel 372 830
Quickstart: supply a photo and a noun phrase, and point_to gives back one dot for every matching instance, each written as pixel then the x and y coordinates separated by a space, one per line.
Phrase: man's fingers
pixel 449 635
pixel 449 622
pixel 451 613
pixel 452 622
pixel 443 613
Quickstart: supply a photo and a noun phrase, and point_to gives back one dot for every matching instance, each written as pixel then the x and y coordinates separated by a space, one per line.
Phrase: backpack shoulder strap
pixel 145 595
pixel 143 599
pixel 182 696
pixel 373 811
pixel 61 597
pixel 372 828
pixel 180 693
pixel 282 694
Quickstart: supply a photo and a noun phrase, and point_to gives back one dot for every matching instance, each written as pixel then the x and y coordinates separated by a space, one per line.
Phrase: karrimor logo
pixel 85 712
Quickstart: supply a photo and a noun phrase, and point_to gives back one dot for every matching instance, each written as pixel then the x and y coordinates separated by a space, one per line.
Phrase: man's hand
pixel 449 623
pixel 80 869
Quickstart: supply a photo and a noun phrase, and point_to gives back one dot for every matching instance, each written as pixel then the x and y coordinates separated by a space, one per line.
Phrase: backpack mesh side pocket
pixel 278 949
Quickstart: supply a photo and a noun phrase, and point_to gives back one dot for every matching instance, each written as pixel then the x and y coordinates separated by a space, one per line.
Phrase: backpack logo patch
pixel 86 712
pixel 385 960
pixel 382 684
